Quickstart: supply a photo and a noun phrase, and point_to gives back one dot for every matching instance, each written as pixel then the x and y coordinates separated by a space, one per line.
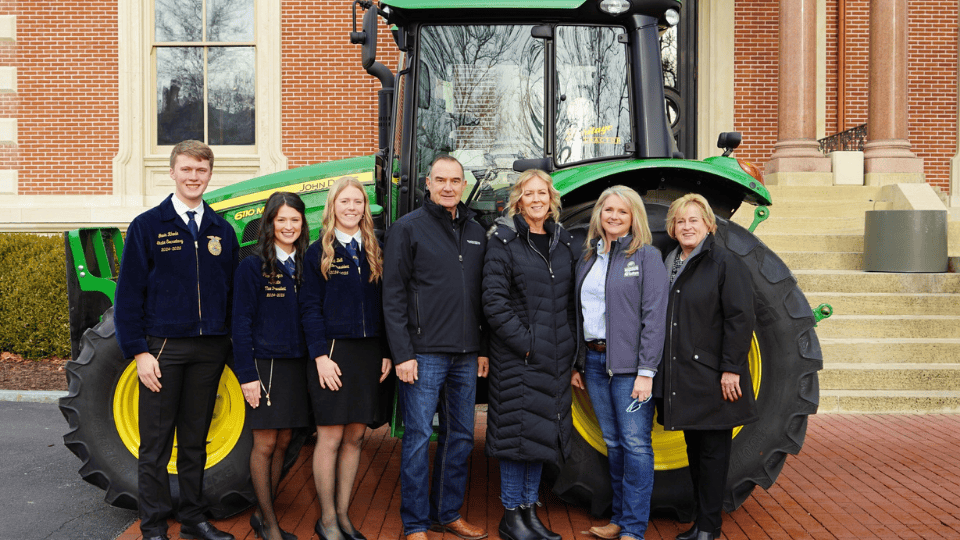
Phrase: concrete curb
pixel 32 396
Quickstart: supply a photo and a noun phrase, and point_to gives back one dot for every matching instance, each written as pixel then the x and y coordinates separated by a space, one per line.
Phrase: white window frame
pixel 141 168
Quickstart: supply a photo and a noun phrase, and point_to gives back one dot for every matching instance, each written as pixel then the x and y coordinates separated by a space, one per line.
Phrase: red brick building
pixel 83 94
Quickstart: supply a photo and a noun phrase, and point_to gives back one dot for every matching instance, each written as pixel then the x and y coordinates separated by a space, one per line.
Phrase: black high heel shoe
pixel 318 528
pixel 257 525
pixel 355 535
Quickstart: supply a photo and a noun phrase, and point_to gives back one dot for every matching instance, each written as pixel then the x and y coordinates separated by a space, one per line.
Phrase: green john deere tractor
pixel 575 87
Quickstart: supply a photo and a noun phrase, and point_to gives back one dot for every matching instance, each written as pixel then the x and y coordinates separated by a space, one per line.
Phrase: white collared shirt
pixel 282 255
pixel 345 238
pixel 181 208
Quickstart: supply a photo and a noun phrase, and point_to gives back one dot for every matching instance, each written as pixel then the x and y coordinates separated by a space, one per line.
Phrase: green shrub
pixel 34 317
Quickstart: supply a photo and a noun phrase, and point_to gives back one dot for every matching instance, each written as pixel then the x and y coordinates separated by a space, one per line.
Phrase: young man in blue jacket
pixel 172 316
pixel 433 263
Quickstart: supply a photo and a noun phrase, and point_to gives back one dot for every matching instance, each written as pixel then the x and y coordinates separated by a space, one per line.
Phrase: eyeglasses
pixel 636 404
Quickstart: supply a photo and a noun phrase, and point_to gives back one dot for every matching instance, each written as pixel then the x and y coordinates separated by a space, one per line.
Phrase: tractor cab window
pixel 593 99
pixel 480 99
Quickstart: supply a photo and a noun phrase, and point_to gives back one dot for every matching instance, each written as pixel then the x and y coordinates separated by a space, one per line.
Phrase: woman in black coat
pixel 527 283
pixel 704 386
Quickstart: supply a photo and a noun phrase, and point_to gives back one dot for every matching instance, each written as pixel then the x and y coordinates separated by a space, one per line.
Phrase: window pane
pixel 179 94
pixel 230 20
pixel 593 115
pixel 231 107
pixel 178 20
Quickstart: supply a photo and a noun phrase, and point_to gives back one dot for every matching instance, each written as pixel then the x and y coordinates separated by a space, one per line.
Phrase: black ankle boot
pixel 513 526
pixel 529 514
pixel 689 534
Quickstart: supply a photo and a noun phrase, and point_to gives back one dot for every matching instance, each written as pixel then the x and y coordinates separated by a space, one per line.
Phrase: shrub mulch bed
pixel 18 373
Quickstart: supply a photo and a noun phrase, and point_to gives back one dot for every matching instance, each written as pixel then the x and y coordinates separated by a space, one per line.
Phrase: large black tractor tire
pixel 784 363
pixel 100 408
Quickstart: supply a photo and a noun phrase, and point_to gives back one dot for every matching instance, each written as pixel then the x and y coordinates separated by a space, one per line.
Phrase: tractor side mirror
pixel 729 141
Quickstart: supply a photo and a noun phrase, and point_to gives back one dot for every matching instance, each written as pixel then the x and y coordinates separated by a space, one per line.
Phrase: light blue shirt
pixel 593 303
pixel 181 208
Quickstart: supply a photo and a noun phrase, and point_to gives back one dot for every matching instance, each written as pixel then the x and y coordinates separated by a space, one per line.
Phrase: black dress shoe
pixel 355 535
pixel 319 528
pixel 203 531
pixel 689 534
pixel 257 525
pixel 705 535
pixel 158 537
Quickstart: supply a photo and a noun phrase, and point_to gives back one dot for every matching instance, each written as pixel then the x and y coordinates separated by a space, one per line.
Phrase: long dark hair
pixel 265 241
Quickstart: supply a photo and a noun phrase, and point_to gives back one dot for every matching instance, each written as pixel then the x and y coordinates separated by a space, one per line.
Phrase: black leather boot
pixel 529 514
pixel 689 534
pixel 513 526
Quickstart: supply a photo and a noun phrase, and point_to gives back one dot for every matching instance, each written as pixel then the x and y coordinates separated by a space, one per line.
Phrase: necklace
pixel 266 389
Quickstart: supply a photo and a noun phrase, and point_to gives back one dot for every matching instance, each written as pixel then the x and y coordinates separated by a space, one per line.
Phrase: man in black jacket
pixel 431 288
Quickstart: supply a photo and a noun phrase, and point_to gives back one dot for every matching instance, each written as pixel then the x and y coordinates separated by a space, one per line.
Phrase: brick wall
pixel 67 93
pixel 329 101
pixel 932 113
pixel 756 57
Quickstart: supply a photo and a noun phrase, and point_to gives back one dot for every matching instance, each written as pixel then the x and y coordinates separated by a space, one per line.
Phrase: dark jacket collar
pixel 464 214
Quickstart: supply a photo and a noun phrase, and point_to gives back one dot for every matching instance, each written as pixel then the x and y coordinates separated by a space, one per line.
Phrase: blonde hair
pixel 680 204
pixel 513 204
pixel 639 226
pixel 329 222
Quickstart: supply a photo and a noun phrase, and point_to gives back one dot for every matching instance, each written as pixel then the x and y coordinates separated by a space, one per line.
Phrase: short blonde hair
pixel 639 225
pixel 681 204
pixel 513 206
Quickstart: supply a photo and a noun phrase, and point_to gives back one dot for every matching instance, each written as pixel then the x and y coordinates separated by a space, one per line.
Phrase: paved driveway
pixel 43 496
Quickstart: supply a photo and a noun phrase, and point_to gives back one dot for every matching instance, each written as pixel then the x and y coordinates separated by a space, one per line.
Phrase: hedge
pixel 34 317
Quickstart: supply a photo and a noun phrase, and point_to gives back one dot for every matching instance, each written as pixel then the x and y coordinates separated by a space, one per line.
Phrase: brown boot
pixel 462 529
pixel 610 531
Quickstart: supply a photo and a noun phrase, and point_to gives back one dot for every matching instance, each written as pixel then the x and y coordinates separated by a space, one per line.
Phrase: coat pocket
pixel 706 359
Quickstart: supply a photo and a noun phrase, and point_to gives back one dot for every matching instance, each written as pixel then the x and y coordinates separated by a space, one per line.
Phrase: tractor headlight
pixel 672 17
pixel 614 7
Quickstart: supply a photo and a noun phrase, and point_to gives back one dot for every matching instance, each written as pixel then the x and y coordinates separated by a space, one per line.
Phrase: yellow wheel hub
pixel 225 428
pixel 669 448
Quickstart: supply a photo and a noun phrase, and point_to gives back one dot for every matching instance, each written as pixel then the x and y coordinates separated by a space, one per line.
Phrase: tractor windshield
pixel 483 99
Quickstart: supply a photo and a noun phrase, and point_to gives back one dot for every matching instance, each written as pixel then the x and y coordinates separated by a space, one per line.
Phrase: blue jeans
pixel 519 482
pixel 627 436
pixel 447 381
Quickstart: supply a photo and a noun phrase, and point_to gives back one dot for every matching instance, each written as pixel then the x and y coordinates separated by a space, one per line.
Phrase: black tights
pixel 266 464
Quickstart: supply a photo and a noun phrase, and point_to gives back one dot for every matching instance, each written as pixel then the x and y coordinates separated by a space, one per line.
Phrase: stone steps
pixel 851 281
pixel 831 260
pixel 847 303
pixel 893 343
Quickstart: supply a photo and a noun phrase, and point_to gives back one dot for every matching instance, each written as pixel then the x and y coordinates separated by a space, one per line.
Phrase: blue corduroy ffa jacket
pixel 170 286
pixel 266 318
pixel 346 305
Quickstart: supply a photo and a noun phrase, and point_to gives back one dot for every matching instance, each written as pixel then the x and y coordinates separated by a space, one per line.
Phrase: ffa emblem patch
pixel 214 245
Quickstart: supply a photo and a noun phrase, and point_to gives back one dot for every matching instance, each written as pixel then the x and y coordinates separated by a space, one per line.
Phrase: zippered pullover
pixel 431 287
pixel 170 286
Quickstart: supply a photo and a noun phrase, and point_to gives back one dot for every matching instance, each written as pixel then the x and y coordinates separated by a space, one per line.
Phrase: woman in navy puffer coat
pixel 527 283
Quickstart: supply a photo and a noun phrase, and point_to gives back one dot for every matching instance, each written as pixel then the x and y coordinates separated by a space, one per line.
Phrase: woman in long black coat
pixel 527 283
pixel 703 386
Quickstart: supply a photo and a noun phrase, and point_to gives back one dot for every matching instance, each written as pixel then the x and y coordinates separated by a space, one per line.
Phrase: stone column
pixel 797 158
pixel 887 158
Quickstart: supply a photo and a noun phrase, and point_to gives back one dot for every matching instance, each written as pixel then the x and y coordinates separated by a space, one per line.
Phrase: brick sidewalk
pixel 858 476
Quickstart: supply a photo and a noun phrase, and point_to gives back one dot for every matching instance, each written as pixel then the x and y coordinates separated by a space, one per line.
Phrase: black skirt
pixel 289 402
pixel 358 400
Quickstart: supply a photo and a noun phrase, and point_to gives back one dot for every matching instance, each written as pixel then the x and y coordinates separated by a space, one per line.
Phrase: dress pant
pixel 190 370
pixel 708 452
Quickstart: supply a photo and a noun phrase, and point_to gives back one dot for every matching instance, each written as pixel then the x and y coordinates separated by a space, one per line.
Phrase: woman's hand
pixel 483 366
pixel 730 385
pixel 329 373
pixel 642 387
pixel 577 380
pixel 385 366
pixel 251 393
